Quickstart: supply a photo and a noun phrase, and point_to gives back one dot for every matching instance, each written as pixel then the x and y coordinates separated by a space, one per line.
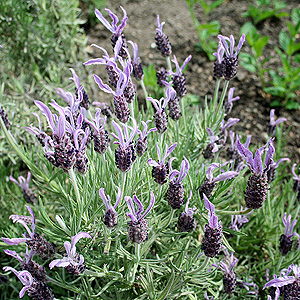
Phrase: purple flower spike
pixel 272 125
pixel 141 144
pixel 230 61
pixel 160 169
pixel 24 185
pixel 72 262
pixel 138 226
pixel 213 233
pixel 186 221
pixel 286 242
pixel 125 153
pixel 138 72
pixel 110 217
pixel 115 29
pixel 229 103
pixel 218 66
pixel 162 40
pixel 238 221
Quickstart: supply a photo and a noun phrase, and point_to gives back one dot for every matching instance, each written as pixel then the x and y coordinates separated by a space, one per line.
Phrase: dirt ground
pixel 252 108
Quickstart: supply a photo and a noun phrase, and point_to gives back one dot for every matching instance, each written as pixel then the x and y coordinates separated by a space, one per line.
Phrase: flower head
pixel 186 221
pixel 179 70
pixel 228 104
pixel 162 40
pixel 272 125
pixel 229 51
pixel 177 176
pixel 161 159
pixel 22 182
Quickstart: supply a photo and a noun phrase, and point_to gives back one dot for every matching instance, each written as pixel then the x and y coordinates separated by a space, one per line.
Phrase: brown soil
pixel 253 109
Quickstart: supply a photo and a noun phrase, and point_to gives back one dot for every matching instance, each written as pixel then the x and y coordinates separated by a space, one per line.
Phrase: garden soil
pixel 253 108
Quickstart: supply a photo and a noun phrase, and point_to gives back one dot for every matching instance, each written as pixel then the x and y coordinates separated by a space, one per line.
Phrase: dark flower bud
pixel 78 267
pixel 40 290
pixel 141 146
pixel 52 159
pixel 125 157
pixel 129 91
pixel 113 75
pixel 161 121
pixel 110 218
pixel 208 151
pixel 229 282
pixel 124 48
pixel 137 72
pixel 179 85
pixel 162 40
pixel 37 271
pixel 206 188
pixel 29 196
pixel 138 231
pixel 175 194
pixel 291 291
pixel 174 108
pixel 212 240
pixel 101 141
pixel 230 65
pixel 218 70
pixel 161 75
pixel 81 163
pixel 186 221
pixel 160 173
pixel 4 117
pixel 285 244
pixel 121 108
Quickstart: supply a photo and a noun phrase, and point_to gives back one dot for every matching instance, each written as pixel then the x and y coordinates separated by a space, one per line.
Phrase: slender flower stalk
pixel 72 261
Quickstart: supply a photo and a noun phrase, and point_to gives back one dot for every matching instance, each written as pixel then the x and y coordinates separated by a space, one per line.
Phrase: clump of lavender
pixel 179 82
pixel 257 187
pixel 160 117
pixel 138 226
pixel 288 285
pixel 116 30
pixel 137 71
pixel 272 125
pixel 85 102
pixel 209 183
pixel 32 239
pixel 175 192
pixel 125 153
pixel 296 186
pixel 229 277
pixel 37 290
pixel 4 118
pixel 100 135
pixel 110 217
pixel 141 143
pixel 160 169
pixel 230 60
pixel 286 242
pixel 213 232
pixel 72 261
pixel 120 104
pixel 24 185
pixel 162 40
pixel 161 75
pixel 212 147
pixel 229 103
pixel 186 221
pixel 272 170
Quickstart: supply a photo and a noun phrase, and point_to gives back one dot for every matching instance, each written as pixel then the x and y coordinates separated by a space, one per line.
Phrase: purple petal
pixel 280 281
pixel 75 78
pixel 14 241
pixel 208 205
pixel 78 236
pixel 209 171
pixel 103 197
pixel 103 20
pixel 95 61
pixel 33 218
pixel 140 206
pixel 185 62
pixel 152 200
pixel 153 163
pixel 102 86
pixel 59 263
pixel 46 111
pixel 226 175
pixel 270 154
pixel 119 195
pixel 257 163
pixel 169 151
pixel 240 44
pixel 246 153
pixel 119 133
pixel 13 254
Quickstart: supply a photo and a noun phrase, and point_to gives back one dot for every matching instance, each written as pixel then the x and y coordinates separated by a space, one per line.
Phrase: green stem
pixel 177 131
pixel 75 186
pixel 132 109
pixel 123 182
pixel 205 263
pixel 228 212
pixel 183 112
pixel 108 241
pixel 138 258
pixel 60 284
pixel 144 89
pixel 215 99
pixel 220 105
pixel 169 66
pixel 170 218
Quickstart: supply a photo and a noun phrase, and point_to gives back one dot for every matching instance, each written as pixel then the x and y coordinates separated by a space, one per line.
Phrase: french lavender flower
pixel 141 143
pixel 212 147
pixel 120 104
pixel 272 170
pixel 116 30
pixel 100 135
pixel 238 221
pixel 213 231
pixel 39 132
pixel 81 163
pixel 4 118
pixel 296 186
pixel 37 290
pixel 179 82
pixel 161 75
pixel 289 285
pixel 223 130
pixel 286 242
pixel 209 183
pixel 27 264
pixel 24 185
pixel 125 153
pixel 137 71
pixel 173 104
pixel 186 221
pixel 257 186
pixel 138 226
pixel 160 117
pixel 32 239
pixel 85 102
pixel 218 66
pixel 72 261
pixel 160 169
pixel 272 125
pixel 229 277
pixel 64 151
pixel 110 217
pixel 230 61
pixel 162 40
pixel 106 110
pixel 229 103
pixel 175 192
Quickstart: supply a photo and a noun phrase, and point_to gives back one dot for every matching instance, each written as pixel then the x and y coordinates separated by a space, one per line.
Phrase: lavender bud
pixel 208 151
pixel 206 188
pixel 291 291
pixel 212 240
pixel 186 222
pixel 218 70
pixel 113 75
pixel 229 282
pixel 285 244
pixel 123 51
pixel 101 141
pixel 37 271
pixel 160 173
pixel 81 163
pixel 230 65
pixel 124 158
pixel 107 111
pixel 161 121
pixel 161 75
pixel 179 85
pixel 129 91
pixel 175 194
pixel 40 290
pixel 141 146
pixel 271 173
pixel 256 191
pixel 110 218
pixel 138 231
pixel 137 72
pixel 174 109
pixel 77 269
pixel 4 118
pixel 121 108
pixel 52 160
pixel 41 246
